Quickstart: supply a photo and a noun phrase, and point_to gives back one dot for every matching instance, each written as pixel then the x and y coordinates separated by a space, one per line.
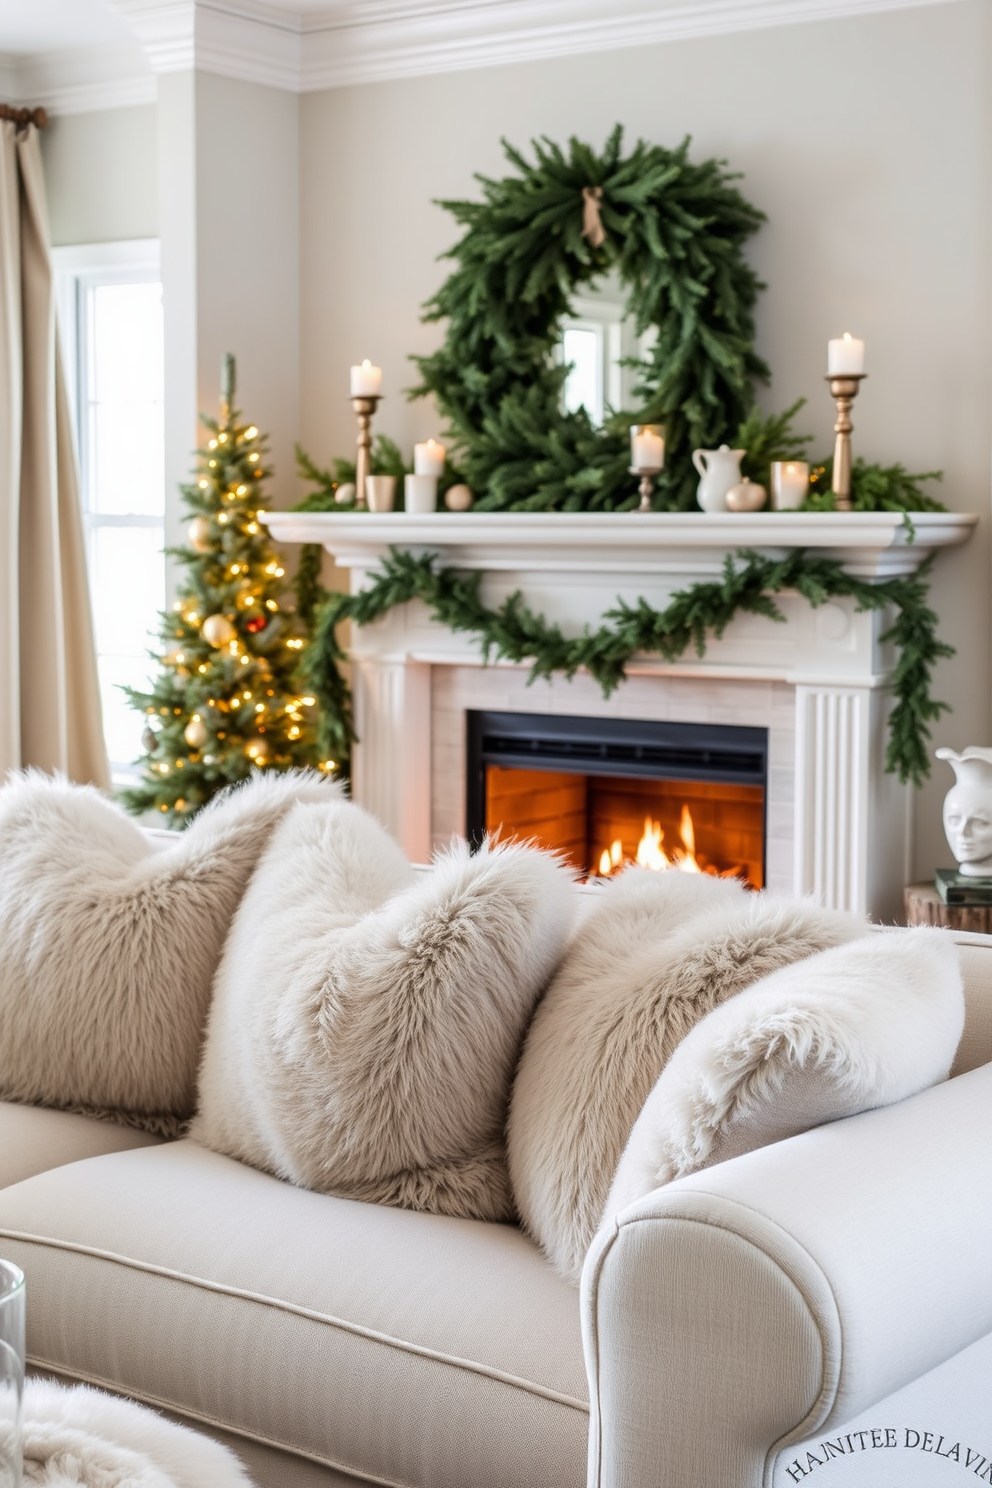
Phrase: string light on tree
pixel 230 640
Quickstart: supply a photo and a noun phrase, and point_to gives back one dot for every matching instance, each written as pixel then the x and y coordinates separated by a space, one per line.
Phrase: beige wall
pixel 866 141
pixel 101 171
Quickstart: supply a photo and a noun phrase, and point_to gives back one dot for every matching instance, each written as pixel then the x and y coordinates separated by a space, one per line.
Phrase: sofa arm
pixel 761 1301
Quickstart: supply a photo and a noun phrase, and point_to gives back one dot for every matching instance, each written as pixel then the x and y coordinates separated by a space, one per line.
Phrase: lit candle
pixel 790 484
pixel 845 356
pixel 366 380
pixel 647 448
pixel 428 458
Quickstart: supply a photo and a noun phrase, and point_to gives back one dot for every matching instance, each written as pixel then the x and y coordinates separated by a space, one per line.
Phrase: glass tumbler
pixel 11 1373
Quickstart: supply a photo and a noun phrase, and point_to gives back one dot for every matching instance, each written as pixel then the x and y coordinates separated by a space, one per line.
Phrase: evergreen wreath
pixel 673 231
pixel 515 633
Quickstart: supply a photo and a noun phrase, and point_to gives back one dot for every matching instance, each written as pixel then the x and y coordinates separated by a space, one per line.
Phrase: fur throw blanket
pixel 83 1438
pixel 108 947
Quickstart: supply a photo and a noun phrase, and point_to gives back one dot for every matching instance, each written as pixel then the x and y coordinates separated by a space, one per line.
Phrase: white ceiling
pixel 30 26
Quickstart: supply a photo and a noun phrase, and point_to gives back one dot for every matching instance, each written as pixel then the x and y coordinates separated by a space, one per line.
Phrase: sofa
pixel 835 1286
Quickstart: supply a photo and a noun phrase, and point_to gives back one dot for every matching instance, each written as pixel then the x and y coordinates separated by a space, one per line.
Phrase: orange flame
pixel 651 852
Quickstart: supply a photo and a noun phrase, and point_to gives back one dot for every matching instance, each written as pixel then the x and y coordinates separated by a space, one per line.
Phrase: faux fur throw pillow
pixel 367 1020
pixel 108 945
pixel 859 1026
pixel 652 959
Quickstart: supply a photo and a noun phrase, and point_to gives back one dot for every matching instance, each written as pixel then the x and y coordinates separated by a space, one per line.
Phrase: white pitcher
pixel 968 810
pixel 720 470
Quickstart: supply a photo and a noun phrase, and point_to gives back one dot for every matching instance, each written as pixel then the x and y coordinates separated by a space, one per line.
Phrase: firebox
pixel 607 792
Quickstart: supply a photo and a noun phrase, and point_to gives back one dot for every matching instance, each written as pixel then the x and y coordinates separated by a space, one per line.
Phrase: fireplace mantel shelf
pixel 869 544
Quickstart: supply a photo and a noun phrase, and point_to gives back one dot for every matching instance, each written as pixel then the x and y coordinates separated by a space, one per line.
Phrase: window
pixel 110 313
pixel 598 342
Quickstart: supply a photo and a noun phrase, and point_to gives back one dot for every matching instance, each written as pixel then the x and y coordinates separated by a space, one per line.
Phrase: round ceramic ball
pixel 218 630
pixel 195 733
pixel 345 493
pixel 747 497
pixel 199 535
pixel 459 498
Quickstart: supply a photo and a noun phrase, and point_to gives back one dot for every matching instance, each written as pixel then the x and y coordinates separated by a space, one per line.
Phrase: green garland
pixel 693 615
pixel 674 236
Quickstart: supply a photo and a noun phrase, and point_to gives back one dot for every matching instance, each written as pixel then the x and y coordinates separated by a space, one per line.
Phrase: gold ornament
pixel 199 535
pixel 195 732
pixel 258 751
pixel 218 630
pixel 459 498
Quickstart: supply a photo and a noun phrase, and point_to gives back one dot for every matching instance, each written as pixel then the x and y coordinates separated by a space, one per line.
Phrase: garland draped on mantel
pixel 513 632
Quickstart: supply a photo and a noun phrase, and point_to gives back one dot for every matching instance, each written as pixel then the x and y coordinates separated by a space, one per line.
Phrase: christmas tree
pixel 226 700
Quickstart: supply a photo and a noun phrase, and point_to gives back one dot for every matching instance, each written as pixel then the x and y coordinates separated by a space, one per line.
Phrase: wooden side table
pixel 924 906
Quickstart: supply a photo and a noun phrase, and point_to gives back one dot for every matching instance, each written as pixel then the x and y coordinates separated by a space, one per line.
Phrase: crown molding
pixel 347 42
pixel 82 80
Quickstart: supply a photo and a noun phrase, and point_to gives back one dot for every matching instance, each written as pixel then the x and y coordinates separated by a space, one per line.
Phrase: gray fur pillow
pixel 109 944
pixel 367 1020
pixel 657 953
pixel 859 1026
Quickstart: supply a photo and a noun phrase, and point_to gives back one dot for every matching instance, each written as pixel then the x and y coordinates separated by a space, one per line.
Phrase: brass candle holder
pixel 843 389
pixel 365 406
pixel 647 473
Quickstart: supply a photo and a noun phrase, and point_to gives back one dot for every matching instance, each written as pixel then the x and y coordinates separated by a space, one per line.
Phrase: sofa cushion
pixel 655 955
pixel 108 947
pixel 856 1027
pixel 34 1139
pixel 367 1020
pixel 408 1348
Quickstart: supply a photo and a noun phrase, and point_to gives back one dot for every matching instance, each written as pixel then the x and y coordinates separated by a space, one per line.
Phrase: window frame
pixel 78 269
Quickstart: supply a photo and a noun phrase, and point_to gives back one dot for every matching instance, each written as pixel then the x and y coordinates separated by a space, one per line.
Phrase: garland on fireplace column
pixel 515 633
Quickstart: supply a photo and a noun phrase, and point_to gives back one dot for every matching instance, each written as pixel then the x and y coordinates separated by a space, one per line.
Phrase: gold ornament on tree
pixel 195 732
pixel 199 536
pixel 218 631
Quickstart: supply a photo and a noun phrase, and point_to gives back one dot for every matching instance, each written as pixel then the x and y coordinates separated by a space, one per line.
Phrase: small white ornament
pixel 195 733
pixel 345 494
pixel 968 810
pixel 218 630
pixel 199 535
pixel 459 498
pixel 747 497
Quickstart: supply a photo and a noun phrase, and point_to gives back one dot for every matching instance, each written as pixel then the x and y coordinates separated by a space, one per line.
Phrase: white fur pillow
pixel 366 1021
pixel 656 955
pixel 859 1026
pixel 108 944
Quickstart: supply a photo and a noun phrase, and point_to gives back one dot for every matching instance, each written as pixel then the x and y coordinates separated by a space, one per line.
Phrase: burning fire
pixel 651 853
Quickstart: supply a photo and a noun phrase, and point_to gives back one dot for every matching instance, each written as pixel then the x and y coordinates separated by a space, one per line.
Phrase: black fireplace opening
pixel 607 792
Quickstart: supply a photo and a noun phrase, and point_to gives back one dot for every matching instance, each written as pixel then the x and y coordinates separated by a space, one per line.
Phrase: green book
pixel 954 888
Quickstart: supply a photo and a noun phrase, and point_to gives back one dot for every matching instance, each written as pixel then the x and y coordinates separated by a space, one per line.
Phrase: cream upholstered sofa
pixel 838 1284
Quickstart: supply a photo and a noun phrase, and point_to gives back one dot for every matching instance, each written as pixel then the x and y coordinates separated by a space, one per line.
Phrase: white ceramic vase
pixel 720 470
pixel 968 810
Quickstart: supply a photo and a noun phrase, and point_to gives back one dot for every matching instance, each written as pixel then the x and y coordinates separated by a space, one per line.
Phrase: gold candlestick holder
pixel 365 406
pixel 646 485
pixel 843 390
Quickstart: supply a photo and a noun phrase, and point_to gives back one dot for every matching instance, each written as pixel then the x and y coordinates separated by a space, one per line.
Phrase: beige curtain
pixel 49 694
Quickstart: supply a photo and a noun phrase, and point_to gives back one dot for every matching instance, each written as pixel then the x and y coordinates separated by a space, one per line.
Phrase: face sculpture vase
pixel 968 810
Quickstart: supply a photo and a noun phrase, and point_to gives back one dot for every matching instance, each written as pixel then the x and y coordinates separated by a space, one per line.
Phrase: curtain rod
pixel 24 116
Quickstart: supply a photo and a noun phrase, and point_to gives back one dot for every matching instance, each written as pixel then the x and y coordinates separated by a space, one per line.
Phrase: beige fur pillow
pixel 108 944
pixel 653 958
pixel 859 1026
pixel 367 1020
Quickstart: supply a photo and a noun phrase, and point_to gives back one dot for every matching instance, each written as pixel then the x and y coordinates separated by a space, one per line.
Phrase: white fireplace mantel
pixel 869 544
pixel 837 825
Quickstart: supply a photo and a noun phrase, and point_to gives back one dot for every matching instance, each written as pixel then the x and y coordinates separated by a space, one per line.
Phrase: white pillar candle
pixel 647 448
pixel 366 380
pixel 428 458
pixel 790 483
pixel 420 493
pixel 845 356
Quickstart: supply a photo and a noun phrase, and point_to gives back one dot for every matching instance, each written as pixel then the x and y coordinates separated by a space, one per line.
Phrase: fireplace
pixel 606 792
